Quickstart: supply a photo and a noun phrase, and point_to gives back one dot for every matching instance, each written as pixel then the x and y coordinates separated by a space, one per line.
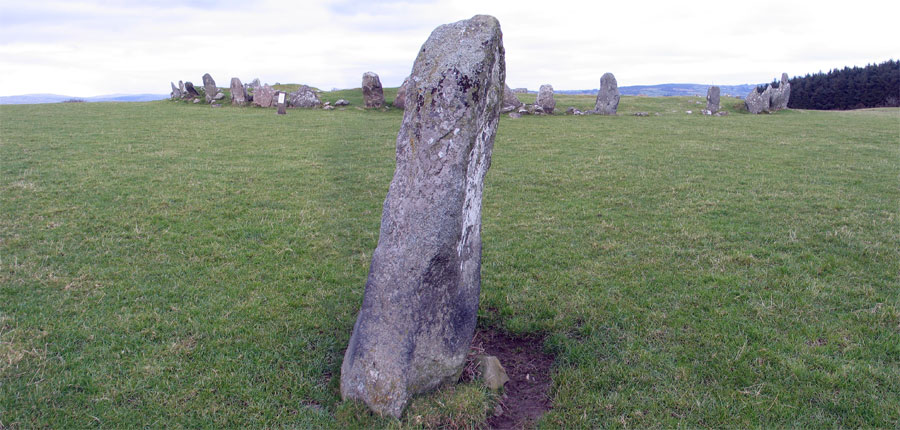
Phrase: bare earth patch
pixel 525 396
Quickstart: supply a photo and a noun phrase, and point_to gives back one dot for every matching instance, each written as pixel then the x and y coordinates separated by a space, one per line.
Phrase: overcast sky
pixel 92 47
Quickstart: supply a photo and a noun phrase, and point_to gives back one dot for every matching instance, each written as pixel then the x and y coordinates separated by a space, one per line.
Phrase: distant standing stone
pixel 190 91
pixel 305 97
pixel 421 298
pixel 238 93
pixel 209 85
pixel 510 101
pixel 400 100
pixel 757 102
pixel 545 99
pixel 373 94
pixel 176 93
pixel 712 99
pixel 264 96
pixel 781 95
pixel 608 96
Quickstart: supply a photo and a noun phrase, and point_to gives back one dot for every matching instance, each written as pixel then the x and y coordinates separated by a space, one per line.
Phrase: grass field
pixel 171 265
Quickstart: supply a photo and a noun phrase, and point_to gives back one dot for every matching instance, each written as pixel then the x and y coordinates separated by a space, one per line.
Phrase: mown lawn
pixel 172 265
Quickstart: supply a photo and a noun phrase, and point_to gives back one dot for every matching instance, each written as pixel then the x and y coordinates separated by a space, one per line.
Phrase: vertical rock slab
pixel 373 94
pixel 757 102
pixel 421 299
pixel 545 99
pixel 209 86
pixel 781 95
pixel 238 93
pixel 400 100
pixel 510 101
pixel 176 93
pixel 712 99
pixel 608 96
pixel 190 91
pixel 264 96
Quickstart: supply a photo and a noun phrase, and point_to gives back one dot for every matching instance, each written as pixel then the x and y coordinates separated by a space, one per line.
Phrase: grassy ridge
pixel 171 264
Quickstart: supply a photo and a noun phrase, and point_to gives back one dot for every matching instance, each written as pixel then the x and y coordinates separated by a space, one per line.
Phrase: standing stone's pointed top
pixel 421 300
pixel 784 78
pixel 608 96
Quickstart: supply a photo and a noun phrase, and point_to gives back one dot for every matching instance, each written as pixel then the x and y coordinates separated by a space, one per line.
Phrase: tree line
pixel 875 85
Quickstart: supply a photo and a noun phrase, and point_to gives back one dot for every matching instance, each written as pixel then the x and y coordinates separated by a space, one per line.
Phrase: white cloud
pixel 85 48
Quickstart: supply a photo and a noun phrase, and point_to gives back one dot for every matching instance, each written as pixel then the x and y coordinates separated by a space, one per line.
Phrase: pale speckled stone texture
pixel 238 93
pixel 421 299
pixel 304 97
pixel 608 96
pixel 373 94
pixel 545 99
pixel 510 101
pixel 209 86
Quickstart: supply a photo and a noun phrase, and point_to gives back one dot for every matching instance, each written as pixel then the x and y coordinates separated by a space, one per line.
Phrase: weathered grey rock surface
pixel 421 299
pixel 305 97
pixel 608 96
pixel 209 86
pixel 176 93
pixel 757 102
pixel 264 96
pixel 545 99
pixel 510 101
pixel 781 95
pixel 712 99
pixel 373 94
pixel 341 102
pixel 400 100
pixel 190 91
pixel 238 93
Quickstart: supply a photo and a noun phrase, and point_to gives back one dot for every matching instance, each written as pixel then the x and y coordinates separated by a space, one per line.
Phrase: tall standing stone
pixel 758 102
pixel 510 101
pixel 209 86
pixel 238 93
pixel 264 96
pixel 608 96
pixel 373 94
pixel 421 299
pixel 712 99
pixel 400 100
pixel 545 99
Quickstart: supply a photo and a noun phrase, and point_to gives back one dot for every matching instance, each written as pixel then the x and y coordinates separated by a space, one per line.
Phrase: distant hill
pixel 56 98
pixel 665 90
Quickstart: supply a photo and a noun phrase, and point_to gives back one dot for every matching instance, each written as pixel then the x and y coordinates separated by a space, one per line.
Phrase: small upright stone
pixel 238 93
pixel 712 99
pixel 608 96
pixel 305 97
pixel 181 87
pixel 400 100
pixel 373 94
pixel 510 101
pixel 176 93
pixel 190 91
pixel 421 299
pixel 209 86
pixel 545 99
pixel 264 96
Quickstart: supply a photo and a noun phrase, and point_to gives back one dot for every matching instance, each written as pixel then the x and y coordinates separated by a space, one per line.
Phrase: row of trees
pixel 876 85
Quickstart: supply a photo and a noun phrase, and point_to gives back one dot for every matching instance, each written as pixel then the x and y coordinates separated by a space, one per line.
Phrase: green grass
pixel 171 265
